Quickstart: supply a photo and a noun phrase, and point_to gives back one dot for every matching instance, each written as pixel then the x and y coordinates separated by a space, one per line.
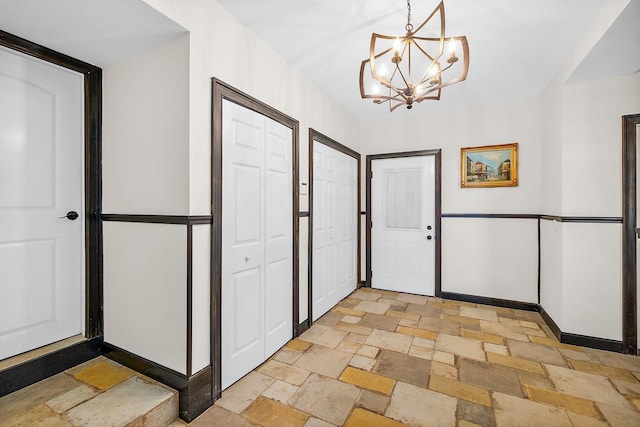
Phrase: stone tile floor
pixel 97 393
pixel 382 358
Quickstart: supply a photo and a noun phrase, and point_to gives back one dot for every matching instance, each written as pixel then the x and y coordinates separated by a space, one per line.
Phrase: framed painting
pixel 489 166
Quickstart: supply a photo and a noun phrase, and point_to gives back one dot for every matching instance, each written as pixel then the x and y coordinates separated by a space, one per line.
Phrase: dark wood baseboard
pixel 303 327
pixel 497 302
pixel 591 342
pixel 194 391
pixel 551 324
pixel 32 371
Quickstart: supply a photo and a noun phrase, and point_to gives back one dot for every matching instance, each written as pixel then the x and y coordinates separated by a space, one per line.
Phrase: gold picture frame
pixel 489 166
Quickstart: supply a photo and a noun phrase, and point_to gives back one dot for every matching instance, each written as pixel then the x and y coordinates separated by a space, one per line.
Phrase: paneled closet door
pixel 335 227
pixel 257 248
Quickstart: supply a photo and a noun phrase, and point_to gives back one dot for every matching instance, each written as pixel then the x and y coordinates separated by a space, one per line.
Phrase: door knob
pixel 429 227
pixel 429 237
pixel 71 215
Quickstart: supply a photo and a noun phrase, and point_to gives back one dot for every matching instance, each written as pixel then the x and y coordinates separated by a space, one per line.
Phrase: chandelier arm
pixel 439 8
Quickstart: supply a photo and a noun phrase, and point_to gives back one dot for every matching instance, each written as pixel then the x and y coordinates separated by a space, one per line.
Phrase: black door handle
pixel 71 215
pixel 429 237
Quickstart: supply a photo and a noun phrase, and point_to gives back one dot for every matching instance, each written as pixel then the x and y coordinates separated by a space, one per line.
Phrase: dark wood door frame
pixel 314 135
pixel 438 208
pixel 629 234
pixel 220 92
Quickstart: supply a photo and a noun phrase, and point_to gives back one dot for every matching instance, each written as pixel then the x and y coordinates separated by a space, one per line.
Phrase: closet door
pixel 257 248
pixel 335 227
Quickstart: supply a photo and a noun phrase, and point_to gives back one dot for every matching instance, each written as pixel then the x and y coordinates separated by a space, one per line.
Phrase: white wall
pixel 487 272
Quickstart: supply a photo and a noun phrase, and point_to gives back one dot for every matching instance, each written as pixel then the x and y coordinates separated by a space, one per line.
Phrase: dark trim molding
pixel 551 324
pixel 159 219
pixel 484 215
pixel 194 391
pixel 220 91
pixel 303 327
pixel 497 302
pixel 583 219
pixel 304 214
pixel 32 371
pixel 592 342
pixel 92 171
pixel 629 242
pixel 438 209
pixel 314 135
pixel 189 299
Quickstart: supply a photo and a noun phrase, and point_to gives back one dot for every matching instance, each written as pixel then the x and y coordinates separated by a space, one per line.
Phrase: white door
pixel 257 243
pixel 335 227
pixel 403 224
pixel 41 179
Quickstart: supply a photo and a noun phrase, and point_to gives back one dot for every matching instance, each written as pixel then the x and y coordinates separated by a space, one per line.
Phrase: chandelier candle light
pixel 407 69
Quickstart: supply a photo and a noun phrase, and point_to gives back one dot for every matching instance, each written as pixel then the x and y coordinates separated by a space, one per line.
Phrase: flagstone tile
pixel 398 305
pixel 425 343
pixel 389 340
pixel 348 311
pixel 444 357
pixel 286 355
pixel 494 339
pixel 368 351
pixel 350 327
pixel 537 380
pixel 495 377
pixel 444 370
pixel 553 342
pixel 416 406
pixel 607 371
pixel 350 319
pixel 440 325
pixel 298 345
pixel 349 346
pixel 515 362
pixel 630 388
pixel 325 398
pixel 280 391
pixel 269 413
pixel 413 299
pixel 71 398
pixel 324 361
pixel 461 390
pixel 370 381
pixel 535 333
pixel 415 332
pixel 494 348
pixel 36 394
pixel 475 413
pixel 379 321
pixel 422 310
pixel 403 315
pixel 465 322
pixel 366 295
pixel 329 319
pixel 41 416
pixel 104 375
pixel 121 404
pixel 372 307
pixel 586 385
pixel 284 372
pixel 218 416
pixel 362 362
pixel 513 411
pixel 465 423
pixel 575 355
pixel 580 420
pixel 466 347
pixel 501 330
pixel 408 323
pixel 479 313
pixel 356 338
pixel 240 395
pixel 617 360
pixel 361 417
pixel 373 401
pixel 421 352
pixel 562 400
pixel 531 316
pixel 317 422
pixel 402 367
pixel 536 352
pixel 328 337
pixel 618 416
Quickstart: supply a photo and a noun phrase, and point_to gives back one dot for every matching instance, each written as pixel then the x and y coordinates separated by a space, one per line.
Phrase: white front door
pixel 257 242
pixel 41 179
pixel 335 227
pixel 403 224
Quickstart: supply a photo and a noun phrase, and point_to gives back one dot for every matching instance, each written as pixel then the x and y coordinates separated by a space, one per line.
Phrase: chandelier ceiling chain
pixel 393 61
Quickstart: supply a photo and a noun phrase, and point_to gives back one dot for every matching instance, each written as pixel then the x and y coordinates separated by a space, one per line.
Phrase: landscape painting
pixel 489 166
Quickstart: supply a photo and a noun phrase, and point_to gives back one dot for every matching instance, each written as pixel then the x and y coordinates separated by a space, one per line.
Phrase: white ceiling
pixel 516 46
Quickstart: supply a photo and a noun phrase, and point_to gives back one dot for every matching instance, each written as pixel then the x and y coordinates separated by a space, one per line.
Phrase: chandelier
pixel 406 69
